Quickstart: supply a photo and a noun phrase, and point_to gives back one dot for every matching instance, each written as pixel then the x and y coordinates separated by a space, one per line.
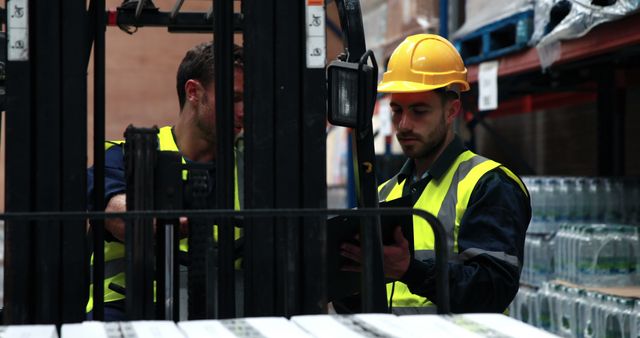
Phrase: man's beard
pixel 207 128
pixel 207 132
pixel 430 146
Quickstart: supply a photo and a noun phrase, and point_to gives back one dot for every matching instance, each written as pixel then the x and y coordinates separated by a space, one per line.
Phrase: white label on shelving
pixel 315 21
pixel 18 30
pixel 316 52
pixel 316 40
pixel 488 85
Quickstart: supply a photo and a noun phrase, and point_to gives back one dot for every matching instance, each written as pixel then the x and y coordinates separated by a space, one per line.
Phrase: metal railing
pixel 441 250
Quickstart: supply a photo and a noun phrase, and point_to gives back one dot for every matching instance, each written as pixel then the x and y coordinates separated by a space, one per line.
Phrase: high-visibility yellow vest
pixel 114 252
pixel 447 198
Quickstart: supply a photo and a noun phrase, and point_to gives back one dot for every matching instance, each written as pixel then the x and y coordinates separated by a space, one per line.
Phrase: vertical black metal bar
pixel 224 72
pixel 202 257
pixel 90 34
pixel 373 287
pixel 176 270
pixel 140 160
pixel 351 22
pixel 75 258
pixel 19 248
pixel 168 185
pixel 162 254
pixel 98 156
pixel 611 111
pixel 288 133
pixel 47 51
pixel 314 189
pixel 259 184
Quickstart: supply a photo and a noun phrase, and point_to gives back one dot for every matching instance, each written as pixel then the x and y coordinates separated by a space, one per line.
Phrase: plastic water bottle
pixel 563 200
pixel 617 317
pixel 627 247
pixel 526 275
pixel 545 309
pixel 560 244
pixel 580 200
pixel 631 200
pixel 598 202
pixel 536 267
pixel 588 318
pixel 605 256
pixel 551 201
pixel 524 305
pixel 574 240
pixel 610 203
pixel 537 206
pixel 548 257
pixel 587 249
pixel 616 205
pixel 567 311
pixel 570 199
pixel 602 309
pixel 635 320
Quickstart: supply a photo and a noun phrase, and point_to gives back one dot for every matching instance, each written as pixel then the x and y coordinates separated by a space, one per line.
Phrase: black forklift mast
pixel 140 153
pixel 374 294
pixel 47 270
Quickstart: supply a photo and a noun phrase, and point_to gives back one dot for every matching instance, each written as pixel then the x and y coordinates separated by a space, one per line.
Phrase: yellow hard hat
pixel 424 62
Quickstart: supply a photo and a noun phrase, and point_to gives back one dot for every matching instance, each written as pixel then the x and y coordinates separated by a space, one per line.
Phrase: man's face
pixel 421 122
pixel 207 109
pixel 238 100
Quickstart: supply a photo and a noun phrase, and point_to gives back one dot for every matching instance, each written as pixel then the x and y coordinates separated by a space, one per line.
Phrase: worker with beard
pixel 484 207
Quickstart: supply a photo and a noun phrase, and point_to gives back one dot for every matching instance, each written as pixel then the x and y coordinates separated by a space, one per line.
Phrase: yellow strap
pixel 168 143
pixel 109 144
pixel 516 179
pixel 466 186
pixel 396 192
pixel 166 140
pixel 431 201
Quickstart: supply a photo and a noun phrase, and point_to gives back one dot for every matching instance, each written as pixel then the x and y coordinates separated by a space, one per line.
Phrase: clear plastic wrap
pixel 581 17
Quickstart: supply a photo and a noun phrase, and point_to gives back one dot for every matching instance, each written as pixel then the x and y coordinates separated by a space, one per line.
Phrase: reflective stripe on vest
pixel 114 261
pixel 447 198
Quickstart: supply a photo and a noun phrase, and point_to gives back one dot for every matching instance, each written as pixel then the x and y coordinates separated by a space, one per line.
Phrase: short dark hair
pixel 446 95
pixel 197 64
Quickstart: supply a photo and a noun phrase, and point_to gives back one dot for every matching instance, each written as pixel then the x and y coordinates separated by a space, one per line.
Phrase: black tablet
pixel 341 229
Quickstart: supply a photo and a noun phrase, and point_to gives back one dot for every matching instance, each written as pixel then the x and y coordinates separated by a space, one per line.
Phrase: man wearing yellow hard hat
pixel 484 207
